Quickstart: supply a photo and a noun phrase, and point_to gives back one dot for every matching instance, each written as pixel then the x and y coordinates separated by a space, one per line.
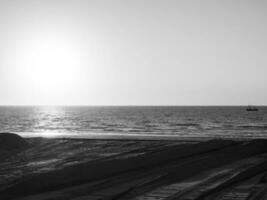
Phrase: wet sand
pixel 134 169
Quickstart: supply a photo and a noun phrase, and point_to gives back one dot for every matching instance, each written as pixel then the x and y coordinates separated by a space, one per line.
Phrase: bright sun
pixel 50 65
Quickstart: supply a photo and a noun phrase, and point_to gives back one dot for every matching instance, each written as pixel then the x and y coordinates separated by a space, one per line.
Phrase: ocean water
pixel 173 121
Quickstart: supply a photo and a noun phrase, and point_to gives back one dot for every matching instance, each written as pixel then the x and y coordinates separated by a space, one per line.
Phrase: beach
pixel 133 100
pixel 80 169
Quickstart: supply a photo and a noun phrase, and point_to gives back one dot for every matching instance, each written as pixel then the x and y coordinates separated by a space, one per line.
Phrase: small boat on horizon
pixel 252 108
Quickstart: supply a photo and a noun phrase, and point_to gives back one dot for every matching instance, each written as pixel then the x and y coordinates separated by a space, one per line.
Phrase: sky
pixel 141 52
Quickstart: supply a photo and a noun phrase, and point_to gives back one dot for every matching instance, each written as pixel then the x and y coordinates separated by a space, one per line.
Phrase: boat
pixel 252 108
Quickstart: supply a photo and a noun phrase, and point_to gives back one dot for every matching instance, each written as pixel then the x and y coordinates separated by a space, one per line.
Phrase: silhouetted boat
pixel 252 108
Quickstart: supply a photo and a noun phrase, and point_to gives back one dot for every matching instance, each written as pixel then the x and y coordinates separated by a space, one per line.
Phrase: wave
pixel 185 124
pixel 264 127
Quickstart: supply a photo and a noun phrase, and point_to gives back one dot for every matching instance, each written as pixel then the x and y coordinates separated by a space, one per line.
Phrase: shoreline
pixel 130 136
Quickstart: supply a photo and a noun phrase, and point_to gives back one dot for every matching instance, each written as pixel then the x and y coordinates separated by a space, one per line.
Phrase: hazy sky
pixel 138 52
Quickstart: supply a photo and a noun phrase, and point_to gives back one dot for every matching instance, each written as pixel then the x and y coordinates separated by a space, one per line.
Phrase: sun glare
pixel 50 65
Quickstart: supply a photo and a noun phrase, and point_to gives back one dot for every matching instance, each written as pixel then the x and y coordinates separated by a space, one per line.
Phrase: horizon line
pixel 125 105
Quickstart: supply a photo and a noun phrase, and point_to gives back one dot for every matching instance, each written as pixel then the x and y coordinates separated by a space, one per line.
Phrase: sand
pixel 11 144
pixel 135 169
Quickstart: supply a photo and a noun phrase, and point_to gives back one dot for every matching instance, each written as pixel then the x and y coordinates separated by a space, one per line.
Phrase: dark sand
pixel 80 169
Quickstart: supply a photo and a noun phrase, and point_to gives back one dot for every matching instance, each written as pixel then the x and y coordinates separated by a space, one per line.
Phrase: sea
pixel 139 121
